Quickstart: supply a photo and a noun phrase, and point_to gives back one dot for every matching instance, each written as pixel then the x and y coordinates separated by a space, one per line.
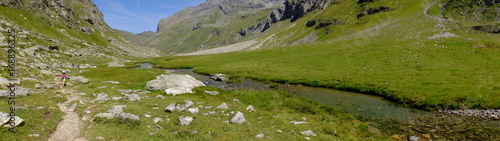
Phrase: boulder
pixel 5 81
pixel 194 110
pixel 133 97
pixel 211 92
pixel 250 109
pixel 116 111
pixel 238 118
pixel 20 91
pixel 80 79
pixel 222 106
pixel 170 108
pixel 188 103
pixel 163 82
pixel 39 86
pixel 185 120
pixel 5 120
pixel 178 91
pixel 219 77
pixel 308 133
pixel 299 122
pixel 157 119
pixel 260 136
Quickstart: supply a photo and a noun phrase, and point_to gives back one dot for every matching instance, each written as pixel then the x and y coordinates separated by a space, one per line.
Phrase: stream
pixel 390 117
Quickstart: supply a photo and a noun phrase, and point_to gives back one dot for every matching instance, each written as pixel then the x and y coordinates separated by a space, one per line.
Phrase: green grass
pixel 37 121
pixel 396 61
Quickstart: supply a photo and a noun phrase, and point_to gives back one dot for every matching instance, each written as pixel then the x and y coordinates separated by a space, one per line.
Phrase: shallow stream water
pixel 389 116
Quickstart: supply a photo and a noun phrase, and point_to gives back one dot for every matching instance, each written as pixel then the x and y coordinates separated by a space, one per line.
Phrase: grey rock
pixel 80 79
pixel 299 122
pixel 39 86
pixel 19 91
pixel 46 72
pixel 238 118
pixel 250 109
pixel 219 77
pixel 170 108
pixel 128 91
pixel 116 111
pixel 5 81
pixel 222 106
pixel 188 103
pixel 105 115
pixel 194 110
pixel 33 135
pixel 110 82
pixel 211 92
pixel 185 120
pixel 163 82
pixel 260 136
pixel 50 86
pixel 160 96
pixel 5 120
pixel 116 98
pixel 414 138
pixel 178 90
pixel 157 119
pixel 133 97
pixel 72 108
pixel 101 97
pixel 308 133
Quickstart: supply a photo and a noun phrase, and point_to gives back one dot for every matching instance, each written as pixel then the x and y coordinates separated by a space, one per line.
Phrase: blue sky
pixel 137 16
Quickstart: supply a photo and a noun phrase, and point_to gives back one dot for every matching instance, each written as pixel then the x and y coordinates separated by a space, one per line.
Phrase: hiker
pixel 64 77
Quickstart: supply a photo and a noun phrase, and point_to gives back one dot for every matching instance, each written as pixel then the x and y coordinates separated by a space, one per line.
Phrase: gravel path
pixel 69 127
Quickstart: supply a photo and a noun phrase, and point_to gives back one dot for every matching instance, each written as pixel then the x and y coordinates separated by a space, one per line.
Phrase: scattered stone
pixel 146 115
pixel 236 101
pixel 125 91
pixel 260 136
pixel 185 120
pixel 33 135
pixel 157 119
pixel 50 86
pixel 194 110
pixel 20 91
pixel 308 133
pixel 414 138
pixel 238 118
pixel 171 81
pixel 211 92
pixel 39 86
pixel 101 97
pixel 160 96
pixel 299 122
pixel 170 108
pixel 110 82
pixel 102 87
pixel 80 79
pixel 178 90
pixel 185 106
pixel 133 97
pixel 100 138
pixel 222 106
pixel 5 120
pixel 250 109
pixel 72 107
pixel 116 98
pixel 116 111
pixel 219 77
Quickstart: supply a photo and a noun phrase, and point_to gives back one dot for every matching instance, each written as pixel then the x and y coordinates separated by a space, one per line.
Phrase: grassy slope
pixel 273 111
pixel 397 61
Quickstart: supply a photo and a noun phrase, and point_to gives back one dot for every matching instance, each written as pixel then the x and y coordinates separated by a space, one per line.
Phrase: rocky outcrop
pixel 172 81
pixel 292 10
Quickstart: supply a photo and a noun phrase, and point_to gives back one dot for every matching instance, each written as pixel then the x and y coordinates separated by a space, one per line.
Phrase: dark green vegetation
pixel 407 55
pixel 274 112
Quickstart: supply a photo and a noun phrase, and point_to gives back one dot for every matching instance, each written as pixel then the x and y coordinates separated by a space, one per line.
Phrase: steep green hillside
pixel 405 52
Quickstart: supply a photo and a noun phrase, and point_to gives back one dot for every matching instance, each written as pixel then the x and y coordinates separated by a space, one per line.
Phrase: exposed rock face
pixel 292 10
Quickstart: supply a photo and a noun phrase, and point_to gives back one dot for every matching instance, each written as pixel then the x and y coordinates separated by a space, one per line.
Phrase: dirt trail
pixel 70 127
